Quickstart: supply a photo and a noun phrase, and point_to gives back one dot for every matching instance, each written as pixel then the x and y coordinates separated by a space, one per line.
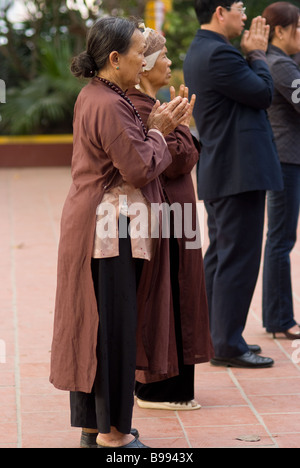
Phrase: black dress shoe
pixel 248 360
pixel 88 439
pixel 254 348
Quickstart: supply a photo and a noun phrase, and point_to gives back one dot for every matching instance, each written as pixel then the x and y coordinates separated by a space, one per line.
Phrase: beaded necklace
pixel 150 97
pixel 123 95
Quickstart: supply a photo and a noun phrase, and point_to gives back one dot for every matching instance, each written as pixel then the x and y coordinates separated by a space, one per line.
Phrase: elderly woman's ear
pixel 114 58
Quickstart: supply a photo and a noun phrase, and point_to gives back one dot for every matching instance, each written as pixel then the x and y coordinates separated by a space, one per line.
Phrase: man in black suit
pixel 238 163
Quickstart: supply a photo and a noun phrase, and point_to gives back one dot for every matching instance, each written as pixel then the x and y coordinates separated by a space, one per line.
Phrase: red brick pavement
pixel 235 402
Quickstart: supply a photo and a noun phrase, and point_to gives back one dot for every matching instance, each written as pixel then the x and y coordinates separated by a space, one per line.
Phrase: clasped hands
pixel 257 37
pixel 168 116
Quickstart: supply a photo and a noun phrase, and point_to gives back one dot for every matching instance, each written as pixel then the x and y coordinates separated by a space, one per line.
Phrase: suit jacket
pixel 284 113
pixel 238 150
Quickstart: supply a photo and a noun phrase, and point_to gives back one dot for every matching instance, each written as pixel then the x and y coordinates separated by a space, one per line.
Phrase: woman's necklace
pixel 148 95
pixel 123 95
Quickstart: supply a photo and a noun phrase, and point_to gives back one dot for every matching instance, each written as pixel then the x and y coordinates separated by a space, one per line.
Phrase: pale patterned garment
pixel 130 202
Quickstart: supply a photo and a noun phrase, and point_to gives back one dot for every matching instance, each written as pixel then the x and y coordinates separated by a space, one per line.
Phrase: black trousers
pixel 111 401
pixel 181 387
pixel 232 264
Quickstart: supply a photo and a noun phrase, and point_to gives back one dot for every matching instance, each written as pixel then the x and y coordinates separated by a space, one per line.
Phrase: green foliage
pixel 35 56
pixel 45 104
pixel 180 29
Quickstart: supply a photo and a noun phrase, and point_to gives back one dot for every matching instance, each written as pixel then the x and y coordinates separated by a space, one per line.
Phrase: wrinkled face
pixel 131 64
pixel 160 74
pixel 235 18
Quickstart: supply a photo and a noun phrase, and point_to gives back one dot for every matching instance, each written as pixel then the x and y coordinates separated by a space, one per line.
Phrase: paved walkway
pixel 236 403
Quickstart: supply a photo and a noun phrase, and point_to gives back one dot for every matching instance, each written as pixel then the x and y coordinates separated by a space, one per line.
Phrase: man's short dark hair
pixel 206 8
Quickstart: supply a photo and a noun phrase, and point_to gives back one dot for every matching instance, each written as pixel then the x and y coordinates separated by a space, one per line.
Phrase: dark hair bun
pixel 106 35
pixel 83 66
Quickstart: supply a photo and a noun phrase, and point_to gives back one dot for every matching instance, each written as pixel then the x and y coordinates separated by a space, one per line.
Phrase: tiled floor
pixel 237 404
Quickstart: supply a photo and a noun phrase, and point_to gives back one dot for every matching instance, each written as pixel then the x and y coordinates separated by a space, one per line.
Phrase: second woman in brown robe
pixel 186 264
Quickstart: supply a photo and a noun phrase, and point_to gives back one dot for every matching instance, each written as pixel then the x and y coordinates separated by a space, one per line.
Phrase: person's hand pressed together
pixel 184 93
pixel 168 116
pixel 257 38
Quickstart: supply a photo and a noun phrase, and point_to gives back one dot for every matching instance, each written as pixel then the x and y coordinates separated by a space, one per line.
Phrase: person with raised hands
pixel 112 303
pixel 238 163
pixel 190 324
pixel 283 19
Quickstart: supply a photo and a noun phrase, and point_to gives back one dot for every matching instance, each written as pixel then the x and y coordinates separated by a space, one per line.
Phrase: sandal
pixel 169 405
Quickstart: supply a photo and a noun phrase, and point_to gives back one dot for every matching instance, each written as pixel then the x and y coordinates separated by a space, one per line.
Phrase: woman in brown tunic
pixel 186 264
pixel 100 291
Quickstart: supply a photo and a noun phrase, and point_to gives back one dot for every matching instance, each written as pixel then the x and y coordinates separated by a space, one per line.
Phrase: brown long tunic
pixel 109 147
pixel 178 187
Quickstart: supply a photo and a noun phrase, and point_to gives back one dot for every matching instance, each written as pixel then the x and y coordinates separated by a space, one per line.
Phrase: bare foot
pixel 295 330
pixel 114 438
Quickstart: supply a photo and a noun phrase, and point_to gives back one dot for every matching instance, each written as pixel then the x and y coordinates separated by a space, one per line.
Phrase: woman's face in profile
pixel 160 74
pixel 292 39
pixel 132 63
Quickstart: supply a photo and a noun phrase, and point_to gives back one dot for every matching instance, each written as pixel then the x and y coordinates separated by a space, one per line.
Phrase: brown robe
pixel 109 147
pixel 178 187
